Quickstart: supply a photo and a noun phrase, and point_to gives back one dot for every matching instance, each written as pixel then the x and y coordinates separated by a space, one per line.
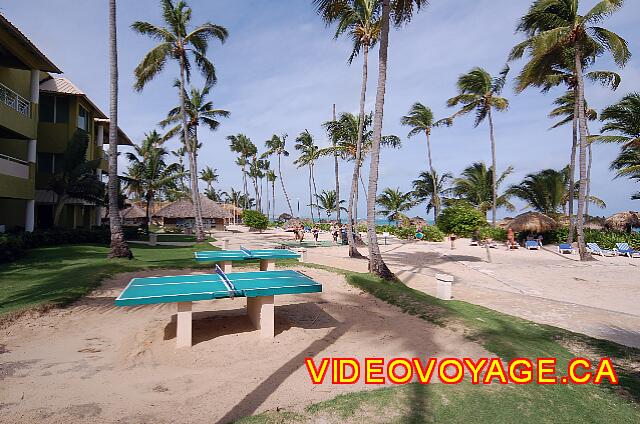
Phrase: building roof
pixel 62 85
pixel 15 45
pixel 132 211
pixel 183 208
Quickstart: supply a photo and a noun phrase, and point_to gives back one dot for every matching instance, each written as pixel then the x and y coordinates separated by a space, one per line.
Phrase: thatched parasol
pixel 184 208
pixel 504 222
pixel 418 221
pixel 533 222
pixel 623 221
pixel 294 222
pixel 284 217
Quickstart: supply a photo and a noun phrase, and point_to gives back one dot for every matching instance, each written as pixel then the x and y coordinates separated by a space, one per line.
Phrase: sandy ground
pixel 95 363
pixel 600 298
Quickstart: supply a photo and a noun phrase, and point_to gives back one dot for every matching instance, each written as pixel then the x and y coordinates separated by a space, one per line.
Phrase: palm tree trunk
pixel 284 190
pixel 376 263
pixel 336 169
pixel 582 191
pixel 436 198
pixel 273 200
pixel 353 197
pixel 315 189
pixel 494 177
pixel 572 167
pixel 119 247
pixel 244 180
pixel 191 147
pixel 589 163
pixel 149 198
pixel 311 196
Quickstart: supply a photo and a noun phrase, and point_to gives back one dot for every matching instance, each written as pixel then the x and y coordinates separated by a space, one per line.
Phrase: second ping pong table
pixel 259 287
pixel 225 258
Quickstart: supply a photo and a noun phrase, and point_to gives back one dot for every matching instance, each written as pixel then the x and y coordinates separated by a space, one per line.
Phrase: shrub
pixel 432 233
pixel 255 220
pixel 404 232
pixel 11 248
pixel 493 233
pixel 461 219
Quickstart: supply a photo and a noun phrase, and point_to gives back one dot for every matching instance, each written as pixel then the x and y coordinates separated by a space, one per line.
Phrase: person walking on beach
pixel 511 238
pixel 316 232
pixel 334 233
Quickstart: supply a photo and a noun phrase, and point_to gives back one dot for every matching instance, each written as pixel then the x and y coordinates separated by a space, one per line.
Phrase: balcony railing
pixel 15 101
pixel 13 166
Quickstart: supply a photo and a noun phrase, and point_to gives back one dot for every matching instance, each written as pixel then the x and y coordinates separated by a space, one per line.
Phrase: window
pixel 44 162
pixel 47 108
pixel 54 109
pixel 83 118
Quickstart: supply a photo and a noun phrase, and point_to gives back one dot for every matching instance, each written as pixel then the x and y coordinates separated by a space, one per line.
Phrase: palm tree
pixel 271 178
pixel 479 92
pixel 209 176
pixel 77 179
pixel 178 42
pixel 148 172
pixel 308 156
pixel 623 118
pixel 420 118
pixel 565 109
pixel 555 29
pixel 277 146
pixel 547 191
pixel 336 167
pixel 328 202
pixel 393 202
pixel 119 247
pixel 401 12
pixel 242 145
pixel 475 185
pixel 424 190
pixel 361 20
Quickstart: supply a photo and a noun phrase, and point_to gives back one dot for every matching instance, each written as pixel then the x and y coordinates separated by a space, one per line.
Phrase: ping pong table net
pixel 227 283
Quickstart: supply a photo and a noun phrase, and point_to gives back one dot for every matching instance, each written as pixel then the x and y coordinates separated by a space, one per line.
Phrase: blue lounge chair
pixel 625 250
pixel 595 249
pixel 532 245
pixel 565 248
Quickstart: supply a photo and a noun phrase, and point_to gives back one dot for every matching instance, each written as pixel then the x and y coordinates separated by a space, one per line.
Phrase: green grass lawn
pixel 59 275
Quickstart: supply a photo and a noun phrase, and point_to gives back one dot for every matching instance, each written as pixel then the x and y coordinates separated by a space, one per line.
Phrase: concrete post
pixel 153 239
pixel 100 136
pixel 35 86
pixel 29 219
pixel 261 313
pixel 225 244
pixel 443 290
pixel 184 325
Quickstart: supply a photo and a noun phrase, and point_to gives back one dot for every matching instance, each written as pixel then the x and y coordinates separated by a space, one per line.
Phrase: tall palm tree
pixel 328 202
pixel 179 154
pixel 420 118
pixel 393 203
pixel 479 92
pixel 277 146
pixel 119 247
pixel 556 28
pixel 271 178
pixel 209 176
pixel 547 191
pixel 336 167
pixel 360 19
pixel 565 109
pixel 178 42
pixel 475 185
pixel 148 172
pixel 308 156
pixel 242 145
pixel 425 190
pixel 256 172
pixel 627 164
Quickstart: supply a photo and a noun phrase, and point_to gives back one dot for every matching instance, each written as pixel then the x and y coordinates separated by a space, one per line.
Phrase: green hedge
pixel 255 220
pixel 497 234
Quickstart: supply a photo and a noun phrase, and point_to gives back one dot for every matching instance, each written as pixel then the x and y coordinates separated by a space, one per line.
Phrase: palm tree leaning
pixel 178 41
pixel 425 190
pixel 148 172
pixel 242 145
pixel 555 29
pixel 277 146
pixel 420 118
pixel 479 92
pixel 271 178
pixel 119 247
pixel 393 203
pixel 361 20
pixel 328 202
pixel 209 176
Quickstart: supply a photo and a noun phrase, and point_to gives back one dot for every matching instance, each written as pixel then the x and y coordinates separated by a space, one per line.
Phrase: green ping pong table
pixel 225 258
pixel 259 287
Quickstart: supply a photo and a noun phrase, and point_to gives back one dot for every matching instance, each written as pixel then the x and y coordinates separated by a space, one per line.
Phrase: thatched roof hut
pixel 294 222
pixel 418 221
pixel 623 221
pixel 129 214
pixel 284 217
pixel 533 222
pixel 184 209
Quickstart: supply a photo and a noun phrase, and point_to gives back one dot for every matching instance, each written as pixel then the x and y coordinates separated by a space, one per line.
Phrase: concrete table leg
pixel 226 266
pixel 261 312
pixel 183 328
pixel 267 265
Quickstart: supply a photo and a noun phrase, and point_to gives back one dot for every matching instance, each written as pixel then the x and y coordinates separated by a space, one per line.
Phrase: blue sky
pixel 281 70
